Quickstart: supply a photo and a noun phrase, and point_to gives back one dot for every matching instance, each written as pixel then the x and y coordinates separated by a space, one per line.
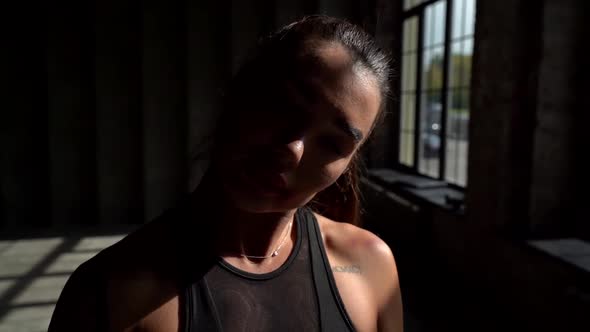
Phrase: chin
pixel 260 203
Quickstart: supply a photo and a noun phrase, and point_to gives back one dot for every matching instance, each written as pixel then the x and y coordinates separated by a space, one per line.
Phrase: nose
pixel 288 156
pixel 295 149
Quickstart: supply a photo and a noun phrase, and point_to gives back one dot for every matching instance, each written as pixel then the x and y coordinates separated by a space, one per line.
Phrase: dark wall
pixel 110 100
pixel 113 99
pixel 559 135
pixel 24 159
pixel 527 179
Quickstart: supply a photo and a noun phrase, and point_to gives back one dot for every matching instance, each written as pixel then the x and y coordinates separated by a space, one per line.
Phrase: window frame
pixel 418 11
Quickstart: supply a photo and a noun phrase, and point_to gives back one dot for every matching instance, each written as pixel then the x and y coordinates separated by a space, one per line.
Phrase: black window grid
pixel 446 90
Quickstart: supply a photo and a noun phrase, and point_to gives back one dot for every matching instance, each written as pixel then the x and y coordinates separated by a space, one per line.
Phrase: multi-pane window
pixel 436 71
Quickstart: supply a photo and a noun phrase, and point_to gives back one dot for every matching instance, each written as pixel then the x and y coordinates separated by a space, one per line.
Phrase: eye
pixel 332 145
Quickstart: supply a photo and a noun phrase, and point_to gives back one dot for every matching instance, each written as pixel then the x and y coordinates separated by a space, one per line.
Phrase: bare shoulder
pixel 370 257
pixel 350 241
pixel 81 303
pixel 117 288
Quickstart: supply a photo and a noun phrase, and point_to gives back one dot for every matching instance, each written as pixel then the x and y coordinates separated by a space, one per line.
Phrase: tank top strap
pixel 333 315
pixel 200 312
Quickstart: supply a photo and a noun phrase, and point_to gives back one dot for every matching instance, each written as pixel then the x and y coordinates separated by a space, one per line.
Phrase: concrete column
pixel 503 106
pixel 557 145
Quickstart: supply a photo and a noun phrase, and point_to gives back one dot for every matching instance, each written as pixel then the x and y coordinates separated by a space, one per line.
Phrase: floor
pixel 33 272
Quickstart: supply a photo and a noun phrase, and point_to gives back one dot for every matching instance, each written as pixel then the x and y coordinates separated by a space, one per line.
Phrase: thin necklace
pixel 276 251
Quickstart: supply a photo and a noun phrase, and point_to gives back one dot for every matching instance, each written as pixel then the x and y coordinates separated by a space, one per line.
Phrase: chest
pixel 282 300
pixel 168 317
pixel 234 303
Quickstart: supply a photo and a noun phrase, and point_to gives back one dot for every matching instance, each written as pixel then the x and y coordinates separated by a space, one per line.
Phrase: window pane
pixel 430 125
pixel 457 137
pixel 439 15
pixel 409 72
pixel 456 161
pixel 468 46
pixel 413 70
pixel 458 114
pixel 406 4
pixel 462 173
pixel 406 150
pixel 456 65
pixel 432 69
pixel 426 68
pixel 405 72
pixel 469 17
pixel 459 100
pixel 409 4
pixel 458 19
pixel 460 63
pixel 463 18
pixel 403 124
pixel 434 24
pixel 408 110
pixel 466 62
pixel 429 158
pixel 428 27
pixel 410 41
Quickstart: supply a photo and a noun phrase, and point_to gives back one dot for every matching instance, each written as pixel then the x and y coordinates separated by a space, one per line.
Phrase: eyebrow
pixel 311 96
pixel 350 131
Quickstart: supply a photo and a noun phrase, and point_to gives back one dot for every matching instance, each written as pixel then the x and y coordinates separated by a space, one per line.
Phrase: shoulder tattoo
pixel 350 269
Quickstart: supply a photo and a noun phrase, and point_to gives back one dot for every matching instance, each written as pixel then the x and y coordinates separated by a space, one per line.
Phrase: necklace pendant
pixel 276 252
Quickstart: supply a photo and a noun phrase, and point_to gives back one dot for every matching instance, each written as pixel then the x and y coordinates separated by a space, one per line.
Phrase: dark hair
pixel 278 52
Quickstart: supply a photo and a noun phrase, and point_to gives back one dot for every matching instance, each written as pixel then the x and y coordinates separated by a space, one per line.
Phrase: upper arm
pixel 80 306
pixel 384 281
pixel 350 243
pixel 390 316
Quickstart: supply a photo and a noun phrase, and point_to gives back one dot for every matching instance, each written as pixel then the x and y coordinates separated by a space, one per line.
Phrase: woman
pixel 267 241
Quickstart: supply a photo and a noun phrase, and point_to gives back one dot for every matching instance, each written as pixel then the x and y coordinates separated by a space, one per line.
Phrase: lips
pixel 265 180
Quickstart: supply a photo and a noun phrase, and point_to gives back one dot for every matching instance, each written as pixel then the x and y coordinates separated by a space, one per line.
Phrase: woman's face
pixel 298 135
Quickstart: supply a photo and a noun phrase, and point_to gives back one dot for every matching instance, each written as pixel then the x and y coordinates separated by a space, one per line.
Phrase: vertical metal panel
pixel 164 104
pixel 119 105
pixel 71 125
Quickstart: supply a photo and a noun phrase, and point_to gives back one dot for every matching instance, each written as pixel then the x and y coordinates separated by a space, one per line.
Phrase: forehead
pixel 327 77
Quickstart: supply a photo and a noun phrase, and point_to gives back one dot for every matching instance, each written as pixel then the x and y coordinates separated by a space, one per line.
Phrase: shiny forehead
pixel 328 75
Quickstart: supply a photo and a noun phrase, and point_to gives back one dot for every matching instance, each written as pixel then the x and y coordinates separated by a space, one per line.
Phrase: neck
pixel 237 231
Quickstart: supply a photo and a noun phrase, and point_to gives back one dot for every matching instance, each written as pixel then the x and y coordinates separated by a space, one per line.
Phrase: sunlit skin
pixel 308 128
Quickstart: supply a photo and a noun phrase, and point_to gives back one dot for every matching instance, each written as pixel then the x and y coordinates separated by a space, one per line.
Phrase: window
pixel 434 99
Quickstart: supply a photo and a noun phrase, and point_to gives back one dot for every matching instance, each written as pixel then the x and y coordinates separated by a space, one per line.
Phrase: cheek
pixel 237 141
pixel 321 177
